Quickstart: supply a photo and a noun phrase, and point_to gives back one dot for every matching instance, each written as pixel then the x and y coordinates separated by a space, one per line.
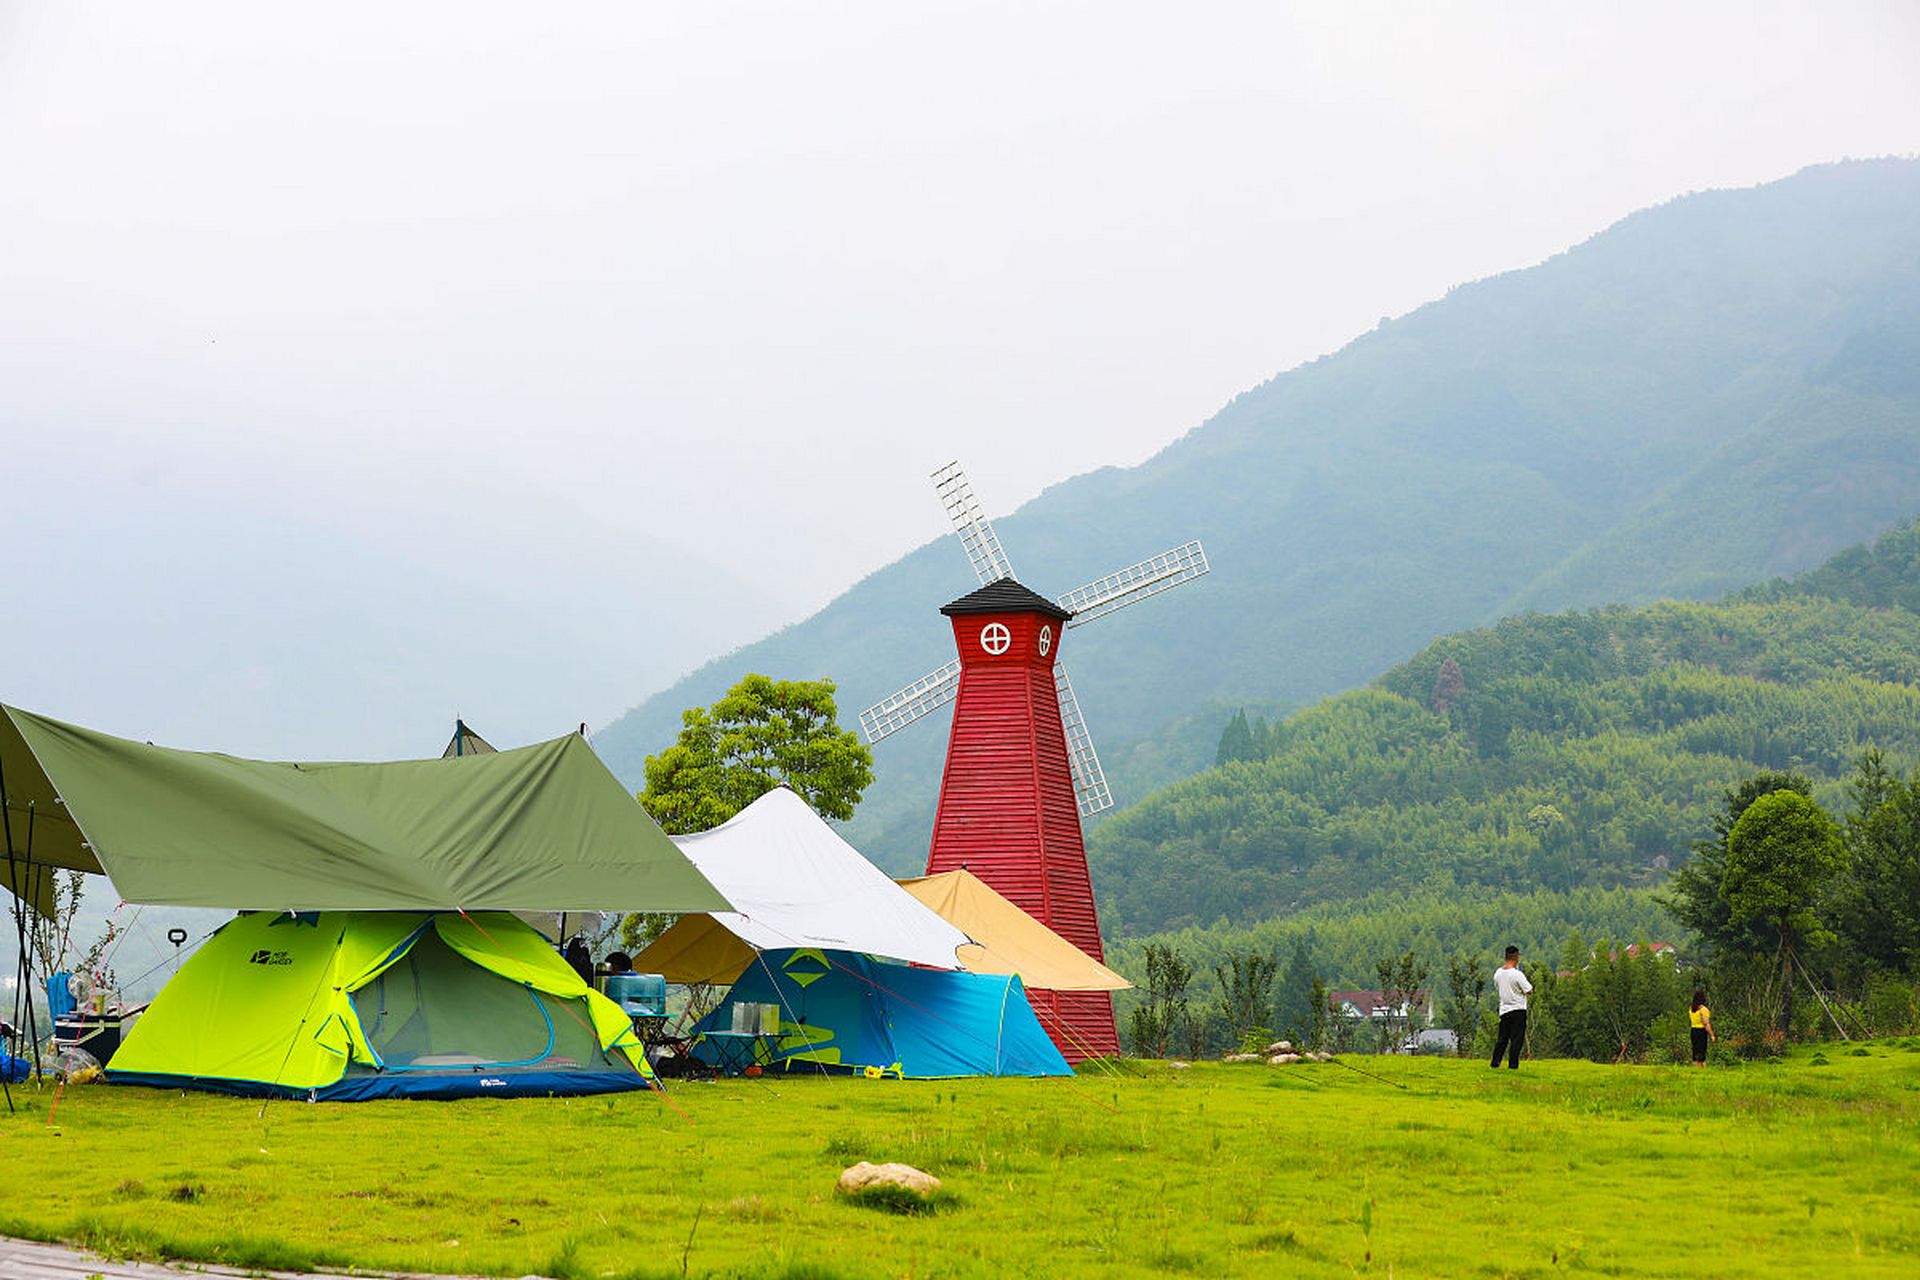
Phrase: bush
pixel 1889 1006
pixel 1669 1038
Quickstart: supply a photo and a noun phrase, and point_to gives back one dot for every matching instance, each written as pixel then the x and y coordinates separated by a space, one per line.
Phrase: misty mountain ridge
pixel 1708 393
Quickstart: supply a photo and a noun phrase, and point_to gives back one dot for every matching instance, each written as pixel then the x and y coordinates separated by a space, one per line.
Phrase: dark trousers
pixel 1513 1034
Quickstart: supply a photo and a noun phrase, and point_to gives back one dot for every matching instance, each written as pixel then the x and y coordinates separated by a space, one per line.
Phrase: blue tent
pixel 842 1011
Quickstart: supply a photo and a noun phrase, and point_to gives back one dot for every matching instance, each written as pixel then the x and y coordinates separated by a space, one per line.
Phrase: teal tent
pixel 843 1011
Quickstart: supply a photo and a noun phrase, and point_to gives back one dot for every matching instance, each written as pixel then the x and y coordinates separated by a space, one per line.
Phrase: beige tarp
pixel 696 949
pixel 1007 939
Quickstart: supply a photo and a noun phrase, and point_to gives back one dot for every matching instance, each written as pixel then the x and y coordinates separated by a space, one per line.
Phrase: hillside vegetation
pixel 1708 393
pixel 1550 751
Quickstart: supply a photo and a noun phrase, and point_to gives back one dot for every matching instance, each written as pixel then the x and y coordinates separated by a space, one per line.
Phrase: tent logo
pixel 270 957
pixel 806 966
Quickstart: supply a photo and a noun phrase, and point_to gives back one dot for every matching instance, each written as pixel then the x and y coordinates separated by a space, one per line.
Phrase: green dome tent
pixel 351 1005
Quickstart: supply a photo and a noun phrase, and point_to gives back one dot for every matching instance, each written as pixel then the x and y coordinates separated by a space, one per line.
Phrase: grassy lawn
pixel 1804 1167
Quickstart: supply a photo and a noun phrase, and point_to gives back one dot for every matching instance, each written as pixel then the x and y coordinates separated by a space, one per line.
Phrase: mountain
pixel 1552 751
pixel 1710 392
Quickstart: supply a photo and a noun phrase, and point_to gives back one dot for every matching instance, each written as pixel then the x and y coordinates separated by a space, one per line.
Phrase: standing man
pixel 1513 987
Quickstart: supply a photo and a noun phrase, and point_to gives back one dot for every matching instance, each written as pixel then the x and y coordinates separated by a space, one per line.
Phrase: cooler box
pixel 641 995
pixel 97 1033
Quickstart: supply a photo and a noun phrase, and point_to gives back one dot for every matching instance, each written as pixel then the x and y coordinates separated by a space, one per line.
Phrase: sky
pixel 369 364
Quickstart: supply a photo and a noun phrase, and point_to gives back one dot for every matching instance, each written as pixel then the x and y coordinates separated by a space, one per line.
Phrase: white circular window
pixel 994 638
pixel 1046 640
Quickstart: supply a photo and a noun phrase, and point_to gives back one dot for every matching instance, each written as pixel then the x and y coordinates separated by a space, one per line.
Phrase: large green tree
pixel 763 734
pixel 1696 892
pixel 1782 856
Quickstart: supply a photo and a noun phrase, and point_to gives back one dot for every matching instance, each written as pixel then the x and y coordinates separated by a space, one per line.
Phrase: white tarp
pixel 796 883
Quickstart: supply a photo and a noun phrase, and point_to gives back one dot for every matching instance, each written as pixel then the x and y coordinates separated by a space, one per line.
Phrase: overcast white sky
pixel 737 276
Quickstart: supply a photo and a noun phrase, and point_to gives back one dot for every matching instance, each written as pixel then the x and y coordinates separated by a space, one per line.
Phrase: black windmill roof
pixel 1006 596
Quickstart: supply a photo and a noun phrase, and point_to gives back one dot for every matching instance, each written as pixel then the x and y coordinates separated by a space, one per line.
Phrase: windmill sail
pixel 989 562
pixel 1135 583
pixel 929 693
pixel 1089 780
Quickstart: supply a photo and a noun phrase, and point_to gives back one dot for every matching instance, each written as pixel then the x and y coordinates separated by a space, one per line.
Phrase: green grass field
pixel 1798 1168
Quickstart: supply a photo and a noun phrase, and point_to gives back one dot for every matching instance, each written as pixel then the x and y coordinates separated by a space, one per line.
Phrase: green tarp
pixel 544 827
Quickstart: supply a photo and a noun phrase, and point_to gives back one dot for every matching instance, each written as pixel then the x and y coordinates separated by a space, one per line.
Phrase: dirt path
pixel 27 1260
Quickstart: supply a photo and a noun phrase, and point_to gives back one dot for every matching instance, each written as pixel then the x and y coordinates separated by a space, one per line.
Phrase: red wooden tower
pixel 1021 771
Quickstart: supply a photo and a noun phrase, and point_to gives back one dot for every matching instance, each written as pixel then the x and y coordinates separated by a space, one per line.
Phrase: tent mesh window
pixel 434 1010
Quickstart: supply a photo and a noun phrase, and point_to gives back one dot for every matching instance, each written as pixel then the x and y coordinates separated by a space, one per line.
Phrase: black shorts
pixel 1699 1043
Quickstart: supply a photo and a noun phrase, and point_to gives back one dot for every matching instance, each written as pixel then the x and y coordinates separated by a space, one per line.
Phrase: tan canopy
pixel 1007 939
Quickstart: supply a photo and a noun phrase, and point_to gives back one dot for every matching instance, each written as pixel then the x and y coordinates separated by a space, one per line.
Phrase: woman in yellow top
pixel 1701 1019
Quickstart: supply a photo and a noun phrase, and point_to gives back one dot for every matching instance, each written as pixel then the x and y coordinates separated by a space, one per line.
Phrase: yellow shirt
pixel 1698 1017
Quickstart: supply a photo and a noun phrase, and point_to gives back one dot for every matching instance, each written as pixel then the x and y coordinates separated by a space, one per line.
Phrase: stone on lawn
pixel 864 1175
pixel 1280 1046
pixel 1241 1057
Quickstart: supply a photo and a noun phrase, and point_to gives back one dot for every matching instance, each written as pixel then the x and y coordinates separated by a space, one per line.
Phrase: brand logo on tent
pixel 270 957
pixel 806 967
pixel 489 1082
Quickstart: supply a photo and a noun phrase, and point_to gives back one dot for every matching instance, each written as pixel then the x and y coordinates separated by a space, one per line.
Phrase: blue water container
pixel 642 995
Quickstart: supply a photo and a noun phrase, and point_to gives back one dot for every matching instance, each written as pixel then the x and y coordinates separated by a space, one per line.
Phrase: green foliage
pixel 1467 983
pixel 1401 979
pixel 1246 991
pixel 1696 892
pixel 1609 1006
pixel 1338 944
pixel 1575 749
pixel 1781 856
pixel 1163 1012
pixel 763 734
pixel 1877 909
pixel 1237 741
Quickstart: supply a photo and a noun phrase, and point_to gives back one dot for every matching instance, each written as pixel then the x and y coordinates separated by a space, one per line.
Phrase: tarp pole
pixel 23 969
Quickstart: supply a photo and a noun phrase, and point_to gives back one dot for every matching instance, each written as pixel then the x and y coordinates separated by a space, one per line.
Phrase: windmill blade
pixel 989 562
pixel 929 693
pixel 1135 583
pixel 1089 780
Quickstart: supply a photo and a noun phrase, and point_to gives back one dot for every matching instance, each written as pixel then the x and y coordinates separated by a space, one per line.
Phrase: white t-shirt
pixel 1512 986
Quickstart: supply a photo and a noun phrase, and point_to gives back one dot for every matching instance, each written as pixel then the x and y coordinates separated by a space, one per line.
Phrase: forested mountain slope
pixel 1707 393
pixel 1549 751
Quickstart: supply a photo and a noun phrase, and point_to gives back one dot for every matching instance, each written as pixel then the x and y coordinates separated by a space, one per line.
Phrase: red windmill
pixel 1021 771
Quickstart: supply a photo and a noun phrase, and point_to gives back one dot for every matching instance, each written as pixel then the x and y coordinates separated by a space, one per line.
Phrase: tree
pixel 1236 741
pixel 1449 688
pixel 1781 856
pixel 1246 991
pixel 1696 891
pixel 1402 980
pixel 1466 997
pixel 1155 1023
pixel 763 734
pixel 1293 1013
pixel 1320 1028
pixel 1878 912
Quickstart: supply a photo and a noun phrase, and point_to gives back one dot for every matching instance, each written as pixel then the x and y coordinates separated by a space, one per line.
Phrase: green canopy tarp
pixel 541 827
